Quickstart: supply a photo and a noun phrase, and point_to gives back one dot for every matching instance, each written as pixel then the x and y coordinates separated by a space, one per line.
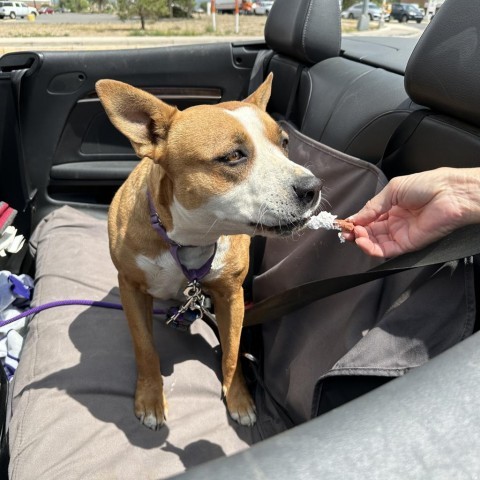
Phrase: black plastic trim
pixel 100 170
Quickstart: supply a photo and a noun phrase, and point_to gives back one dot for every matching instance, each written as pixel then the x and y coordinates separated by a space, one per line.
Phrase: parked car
pixel 335 399
pixel 228 6
pixel 262 7
pixel 46 11
pixel 16 9
pixel 355 11
pixel 403 12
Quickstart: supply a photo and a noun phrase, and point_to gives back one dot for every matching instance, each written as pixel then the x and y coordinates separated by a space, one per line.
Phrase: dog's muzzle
pixel 307 192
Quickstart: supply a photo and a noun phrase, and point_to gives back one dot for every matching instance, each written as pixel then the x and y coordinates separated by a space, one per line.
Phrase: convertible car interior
pixel 378 379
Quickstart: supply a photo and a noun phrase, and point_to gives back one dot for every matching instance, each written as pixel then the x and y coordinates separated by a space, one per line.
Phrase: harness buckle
pixel 194 307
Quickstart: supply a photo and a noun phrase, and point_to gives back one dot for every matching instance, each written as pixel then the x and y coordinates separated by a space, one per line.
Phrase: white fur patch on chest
pixel 164 277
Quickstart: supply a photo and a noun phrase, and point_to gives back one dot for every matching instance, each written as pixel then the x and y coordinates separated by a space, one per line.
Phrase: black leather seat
pixel 301 33
pixel 442 75
pixel 343 103
pixel 356 108
pixel 353 107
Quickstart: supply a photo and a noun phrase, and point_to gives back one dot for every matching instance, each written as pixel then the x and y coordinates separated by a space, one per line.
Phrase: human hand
pixel 415 210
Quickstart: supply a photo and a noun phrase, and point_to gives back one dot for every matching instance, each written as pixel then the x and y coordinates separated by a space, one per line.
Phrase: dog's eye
pixel 233 158
pixel 285 144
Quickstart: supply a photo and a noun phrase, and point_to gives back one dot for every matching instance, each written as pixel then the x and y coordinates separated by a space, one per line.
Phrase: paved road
pixel 87 18
pixel 395 29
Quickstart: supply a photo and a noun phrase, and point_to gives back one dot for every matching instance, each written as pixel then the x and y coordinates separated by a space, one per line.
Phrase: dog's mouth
pixel 284 227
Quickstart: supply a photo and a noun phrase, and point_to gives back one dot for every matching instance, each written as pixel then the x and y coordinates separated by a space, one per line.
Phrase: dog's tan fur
pixel 177 149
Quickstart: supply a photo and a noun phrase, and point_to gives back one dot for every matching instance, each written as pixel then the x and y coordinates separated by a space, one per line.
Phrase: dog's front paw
pixel 244 416
pixel 241 407
pixel 150 406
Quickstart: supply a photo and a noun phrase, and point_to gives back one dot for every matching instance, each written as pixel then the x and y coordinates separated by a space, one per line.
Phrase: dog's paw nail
pixel 150 421
pixel 153 423
pixel 151 408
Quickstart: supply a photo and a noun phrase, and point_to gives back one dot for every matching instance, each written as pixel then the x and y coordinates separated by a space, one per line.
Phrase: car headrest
pixel 307 30
pixel 444 69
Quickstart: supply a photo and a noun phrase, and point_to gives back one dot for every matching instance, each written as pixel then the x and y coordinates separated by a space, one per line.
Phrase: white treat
pixel 325 220
pixel 322 220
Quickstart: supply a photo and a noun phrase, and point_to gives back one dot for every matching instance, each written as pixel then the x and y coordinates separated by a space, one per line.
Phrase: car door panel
pixel 73 152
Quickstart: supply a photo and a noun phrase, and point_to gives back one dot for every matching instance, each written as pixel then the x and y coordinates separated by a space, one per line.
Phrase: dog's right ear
pixel 141 117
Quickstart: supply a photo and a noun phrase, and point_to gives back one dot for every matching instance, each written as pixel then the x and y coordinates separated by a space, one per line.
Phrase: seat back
pixel 353 107
pixel 327 96
pixel 301 33
pixel 442 76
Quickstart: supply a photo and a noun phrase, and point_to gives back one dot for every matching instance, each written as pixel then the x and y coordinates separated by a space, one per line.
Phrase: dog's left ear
pixel 261 95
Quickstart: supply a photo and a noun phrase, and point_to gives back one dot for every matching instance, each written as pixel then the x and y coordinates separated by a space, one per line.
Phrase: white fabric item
pixel 10 242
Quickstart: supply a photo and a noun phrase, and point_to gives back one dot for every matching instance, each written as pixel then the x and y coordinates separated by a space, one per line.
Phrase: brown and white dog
pixel 215 174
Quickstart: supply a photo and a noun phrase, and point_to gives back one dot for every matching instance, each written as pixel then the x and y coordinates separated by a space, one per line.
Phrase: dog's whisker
pixel 262 211
pixel 211 226
pixel 325 204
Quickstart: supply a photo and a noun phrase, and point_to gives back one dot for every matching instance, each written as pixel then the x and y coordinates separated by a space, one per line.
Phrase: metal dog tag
pixel 192 308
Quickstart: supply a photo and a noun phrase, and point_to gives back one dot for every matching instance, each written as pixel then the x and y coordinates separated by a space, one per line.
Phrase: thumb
pixel 374 208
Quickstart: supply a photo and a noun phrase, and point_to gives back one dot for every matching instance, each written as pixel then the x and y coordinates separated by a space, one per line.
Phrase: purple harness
pixel 196 304
pixel 192 274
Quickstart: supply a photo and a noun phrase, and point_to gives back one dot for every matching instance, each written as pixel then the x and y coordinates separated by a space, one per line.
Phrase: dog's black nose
pixel 307 190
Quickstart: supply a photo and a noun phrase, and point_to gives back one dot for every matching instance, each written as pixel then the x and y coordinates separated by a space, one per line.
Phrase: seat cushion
pixel 72 406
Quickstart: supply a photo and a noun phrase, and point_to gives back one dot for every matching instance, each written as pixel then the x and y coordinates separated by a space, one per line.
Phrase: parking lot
pixel 77 31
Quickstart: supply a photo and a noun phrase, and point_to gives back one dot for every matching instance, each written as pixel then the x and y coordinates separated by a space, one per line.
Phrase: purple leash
pixel 64 303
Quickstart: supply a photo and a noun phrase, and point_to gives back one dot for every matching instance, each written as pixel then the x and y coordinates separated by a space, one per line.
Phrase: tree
pixel 100 4
pixel 75 5
pixel 185 7
pixel 145 9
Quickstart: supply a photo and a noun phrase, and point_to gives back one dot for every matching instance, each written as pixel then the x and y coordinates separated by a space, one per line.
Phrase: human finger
pixel 374 209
